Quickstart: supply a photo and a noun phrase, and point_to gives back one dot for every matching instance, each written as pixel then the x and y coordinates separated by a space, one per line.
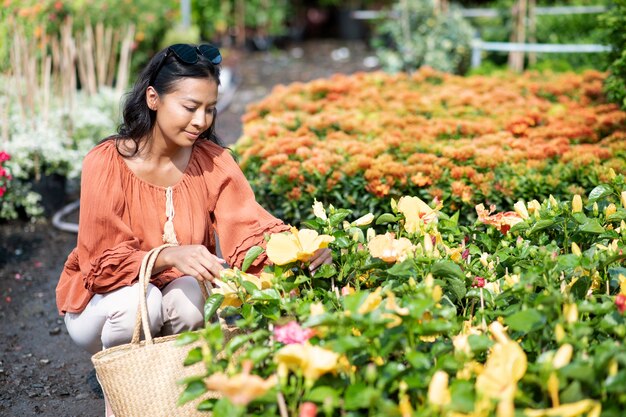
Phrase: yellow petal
pixel 563 356
pixel 577 204
pixel 576 409
pixel 372 301
pixel 310 242
pixel 438 391
pixel 416 213
pixel 319 211
pixel 520 208
pixel 363 220
pixel 282 248
pixel 320 361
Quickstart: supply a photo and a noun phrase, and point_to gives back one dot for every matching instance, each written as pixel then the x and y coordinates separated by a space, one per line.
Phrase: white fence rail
pixel 478 45
pixel 483 12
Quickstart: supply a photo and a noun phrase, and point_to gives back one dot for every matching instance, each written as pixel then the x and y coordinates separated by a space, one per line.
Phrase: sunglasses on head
pixel 189 55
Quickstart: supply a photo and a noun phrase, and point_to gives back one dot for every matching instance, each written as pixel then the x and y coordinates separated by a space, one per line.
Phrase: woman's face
pixel 185 112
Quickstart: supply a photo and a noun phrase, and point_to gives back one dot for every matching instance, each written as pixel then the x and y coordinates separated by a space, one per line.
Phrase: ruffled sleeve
pixel 239 220
pixel 109 254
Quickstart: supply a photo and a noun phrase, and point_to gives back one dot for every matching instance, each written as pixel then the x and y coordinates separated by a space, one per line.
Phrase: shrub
pixel 418 34
pixel 615 23
pixel 354 141
pixel 410 320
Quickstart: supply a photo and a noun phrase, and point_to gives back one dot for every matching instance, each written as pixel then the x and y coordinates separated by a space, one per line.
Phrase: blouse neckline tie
pixel 169 234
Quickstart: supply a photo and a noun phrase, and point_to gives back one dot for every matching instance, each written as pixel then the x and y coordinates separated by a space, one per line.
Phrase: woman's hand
pixel 320 257
pixel 194 260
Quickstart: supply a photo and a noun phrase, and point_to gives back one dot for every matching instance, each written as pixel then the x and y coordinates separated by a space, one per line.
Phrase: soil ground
pixel 42 373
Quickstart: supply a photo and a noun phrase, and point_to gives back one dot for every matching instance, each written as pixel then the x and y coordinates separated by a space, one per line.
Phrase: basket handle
pixel 145 272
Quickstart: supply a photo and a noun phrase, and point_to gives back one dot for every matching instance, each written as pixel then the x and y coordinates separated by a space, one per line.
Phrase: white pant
pixel 109 319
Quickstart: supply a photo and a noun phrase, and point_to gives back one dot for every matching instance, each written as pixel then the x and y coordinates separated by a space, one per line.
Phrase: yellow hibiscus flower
pixel 313 361
pixel 242 388
pixel 416 213
pixel 389 249
pixel 299 245
pixel 505 366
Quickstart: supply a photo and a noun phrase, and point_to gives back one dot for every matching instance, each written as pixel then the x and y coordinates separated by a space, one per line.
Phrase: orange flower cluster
pixel 471 139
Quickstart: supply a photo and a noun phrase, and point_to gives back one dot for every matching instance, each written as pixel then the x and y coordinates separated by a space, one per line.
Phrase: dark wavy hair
pixel 138 118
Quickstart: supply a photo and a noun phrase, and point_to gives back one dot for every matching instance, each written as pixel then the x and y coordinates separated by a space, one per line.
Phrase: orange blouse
pixel 122 218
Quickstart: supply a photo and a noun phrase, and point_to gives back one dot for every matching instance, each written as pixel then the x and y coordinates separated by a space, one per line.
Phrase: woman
pixel 162 178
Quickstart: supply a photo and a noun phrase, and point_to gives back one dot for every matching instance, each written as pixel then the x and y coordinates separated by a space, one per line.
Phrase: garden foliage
pixel 355 141
pixel 615 23
pixel 420 34
pixel 519 313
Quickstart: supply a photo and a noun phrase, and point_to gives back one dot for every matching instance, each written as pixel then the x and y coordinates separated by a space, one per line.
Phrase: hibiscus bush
pixel 356 141
pixel 520 313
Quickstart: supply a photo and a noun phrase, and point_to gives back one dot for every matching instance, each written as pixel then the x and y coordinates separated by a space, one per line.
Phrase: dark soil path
pixel 41 372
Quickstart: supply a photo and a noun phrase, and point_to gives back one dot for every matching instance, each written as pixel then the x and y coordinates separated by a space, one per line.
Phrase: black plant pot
pixel 349 27
pixel 52 189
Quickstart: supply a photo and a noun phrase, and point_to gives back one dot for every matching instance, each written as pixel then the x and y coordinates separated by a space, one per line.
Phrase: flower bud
pixel 363 220
pixel 570 311
pixel 576 249
pixel 595 209
pixel 559 333
pixel 610 209
pixel 623 199
pixel 553 202
pixel 438 391
pixel 613 367
pixel 319 211
pixel 577 204
pixel 534 207
pixel 563 356
pixel 520 208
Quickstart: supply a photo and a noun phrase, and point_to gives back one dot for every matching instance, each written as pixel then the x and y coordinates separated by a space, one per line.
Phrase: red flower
pixel 308 409
pixel 620 302
pixel 2 191
pixel 4 156
pixel 479 282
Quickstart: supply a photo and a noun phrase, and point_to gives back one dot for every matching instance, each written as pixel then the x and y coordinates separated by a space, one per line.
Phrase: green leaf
pixel 457 287
pixel 337 218
pixel 386 218
pixel 187 338
pixel 540 225
pixel 194 390
pixel 572 393
pixel 325 271
pixel 479 343
pixel 591 226
pixel 616 383
pixel 599 192
pixel 249 286
pixel 251 255
pixel 193 356
pixel 224 408
pixel 268 294
pixel 342 242
pixel 360 396
pixel 419 360
pixel 322 394
pixel 525 320
pixel 462 395
pixel 211 305
pixel 447 269
pixel 403 269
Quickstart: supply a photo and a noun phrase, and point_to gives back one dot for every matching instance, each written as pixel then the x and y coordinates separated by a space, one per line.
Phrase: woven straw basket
pixel 140 378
